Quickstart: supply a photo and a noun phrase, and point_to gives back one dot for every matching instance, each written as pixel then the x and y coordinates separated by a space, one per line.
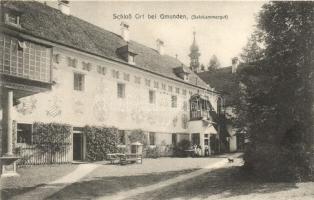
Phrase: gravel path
pixel 137 191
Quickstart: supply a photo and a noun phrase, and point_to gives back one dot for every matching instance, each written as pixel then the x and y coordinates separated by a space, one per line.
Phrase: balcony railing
pixel 199 114
pixel 24 59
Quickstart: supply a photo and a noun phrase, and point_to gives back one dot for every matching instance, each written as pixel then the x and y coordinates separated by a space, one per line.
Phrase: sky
pixel 223 37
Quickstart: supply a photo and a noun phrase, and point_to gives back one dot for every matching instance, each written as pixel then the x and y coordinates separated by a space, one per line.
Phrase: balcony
pixel 199 114
pixel 200 108
pixel 24 66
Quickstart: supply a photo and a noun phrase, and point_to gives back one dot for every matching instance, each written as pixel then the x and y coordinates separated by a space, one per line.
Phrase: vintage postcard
pixel 156 100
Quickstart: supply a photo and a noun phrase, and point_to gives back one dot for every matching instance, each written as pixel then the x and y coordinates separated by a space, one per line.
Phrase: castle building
pixel 226 82
pixel 58 68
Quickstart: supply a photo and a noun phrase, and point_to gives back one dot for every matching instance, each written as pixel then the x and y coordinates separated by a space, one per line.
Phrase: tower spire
pixel 194 55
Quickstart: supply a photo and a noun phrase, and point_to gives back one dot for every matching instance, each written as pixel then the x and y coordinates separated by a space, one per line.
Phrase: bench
pixel 113 157
pixel 131 158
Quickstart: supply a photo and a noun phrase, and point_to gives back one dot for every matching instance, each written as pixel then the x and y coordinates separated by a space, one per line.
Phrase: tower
pixel 194 56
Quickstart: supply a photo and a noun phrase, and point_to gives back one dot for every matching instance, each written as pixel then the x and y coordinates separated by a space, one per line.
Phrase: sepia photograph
pixel 156 100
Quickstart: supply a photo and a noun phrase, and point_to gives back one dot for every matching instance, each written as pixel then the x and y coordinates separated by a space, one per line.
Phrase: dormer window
pixel 182 72
pixel 186 77
pixel 12 19
pixel 127 54
pixel 12 16
pixel 131 59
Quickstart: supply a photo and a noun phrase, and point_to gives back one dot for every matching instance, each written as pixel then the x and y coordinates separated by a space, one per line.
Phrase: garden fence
pixel 31 155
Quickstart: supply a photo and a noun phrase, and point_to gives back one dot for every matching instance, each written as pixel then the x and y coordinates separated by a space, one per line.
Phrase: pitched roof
pixel 48 23
pixel 223 80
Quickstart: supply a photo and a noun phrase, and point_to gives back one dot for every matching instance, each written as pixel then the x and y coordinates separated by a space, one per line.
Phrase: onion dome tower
pixel 194 55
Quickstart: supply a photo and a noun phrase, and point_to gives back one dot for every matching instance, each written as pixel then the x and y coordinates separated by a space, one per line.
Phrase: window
pixel 194 61
pixel 121 90
pixel 12 18
pixel 122 137
pixel 206 143
pixel 115 73
pixel 186 77
pixel 24 59
pixel 174 138
pixel 24 133
pixel 137 79
pixel 152 96
pixel 184 121
pixel 206 135
pixel 101 70
pixel 156 84
pixel 173 101
pixel 86 66
pixel 72 62
pixel 163 86
pixel 152 138
pixel 126 77
pixel 184 91
pixel 177 90
pixel 170 88
pixel 147 82
pixel 131 59
pixel 79 80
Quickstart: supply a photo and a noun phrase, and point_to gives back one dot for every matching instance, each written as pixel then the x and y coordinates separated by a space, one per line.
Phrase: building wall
pixel 98 103
pixel 198 127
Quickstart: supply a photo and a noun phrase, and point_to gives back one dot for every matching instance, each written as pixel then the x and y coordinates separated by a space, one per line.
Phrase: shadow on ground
pixel 104 186
pixel 8 193
pixel 32 177
pixel 221 183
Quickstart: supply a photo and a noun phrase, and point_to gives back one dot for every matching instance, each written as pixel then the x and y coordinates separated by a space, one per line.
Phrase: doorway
pixel 196 139
pixel 77 146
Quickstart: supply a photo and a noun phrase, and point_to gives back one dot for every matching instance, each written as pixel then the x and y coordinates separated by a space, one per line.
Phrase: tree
pixel 276 97
pixel 202 67
pixel 213 63
pixel 254 49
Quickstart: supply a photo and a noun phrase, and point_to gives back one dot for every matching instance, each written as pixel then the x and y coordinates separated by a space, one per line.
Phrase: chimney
pixel 125 31
pixel 64 6
pixel 160 46
pixel 235 63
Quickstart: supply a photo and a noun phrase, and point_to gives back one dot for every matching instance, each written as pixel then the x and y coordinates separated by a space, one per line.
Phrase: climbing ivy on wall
pixel 100 141
pixel 51 137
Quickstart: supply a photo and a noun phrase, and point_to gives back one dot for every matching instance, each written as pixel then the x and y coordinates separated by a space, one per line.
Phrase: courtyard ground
pixel 163 178
pixel 32 177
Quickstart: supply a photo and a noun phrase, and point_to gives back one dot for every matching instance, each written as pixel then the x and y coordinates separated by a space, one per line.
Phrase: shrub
pixel 165 149
pixel 179 149
pixel 153 152
pixel 100 141
pixel 138 135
